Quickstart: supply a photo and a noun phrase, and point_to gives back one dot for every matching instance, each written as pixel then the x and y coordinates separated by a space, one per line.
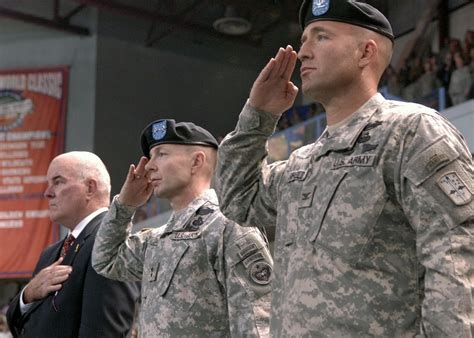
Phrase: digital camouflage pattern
pixel 374 222
pixel 202 274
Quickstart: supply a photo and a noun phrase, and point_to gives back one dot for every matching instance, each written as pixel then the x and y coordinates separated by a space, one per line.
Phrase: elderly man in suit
pixel 66 297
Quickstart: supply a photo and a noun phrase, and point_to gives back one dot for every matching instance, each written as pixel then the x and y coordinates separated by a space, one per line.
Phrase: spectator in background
pixel 468 42
pixel 460 84
pixel 284 122
pixel 140 215
pixel 4 331
pixel 416 68
pixel 393 85
pixel 444 74
pixel 428 81
pixel 404 75
pixel 455 46
pixel 66 297
pixel 295 117
pixel 316 108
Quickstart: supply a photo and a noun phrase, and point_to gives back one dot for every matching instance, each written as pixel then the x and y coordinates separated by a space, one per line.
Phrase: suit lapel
pixel 90 228
pixel 69 258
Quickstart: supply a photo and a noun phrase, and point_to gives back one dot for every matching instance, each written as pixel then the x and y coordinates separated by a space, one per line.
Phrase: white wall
pixel 462 116
pixel 136 85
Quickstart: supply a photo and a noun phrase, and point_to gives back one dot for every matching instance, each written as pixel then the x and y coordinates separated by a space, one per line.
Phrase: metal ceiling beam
pixel 40 21
pixel 184 15
pixel 136 12
pixel 147 15
pixel 73 12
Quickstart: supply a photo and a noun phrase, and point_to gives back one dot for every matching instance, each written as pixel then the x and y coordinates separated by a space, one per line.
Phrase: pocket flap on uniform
pixel 423 165
pixel 168 265
pixel 324 200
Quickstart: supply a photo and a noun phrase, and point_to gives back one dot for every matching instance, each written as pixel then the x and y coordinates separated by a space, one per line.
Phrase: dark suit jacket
pixel 88 304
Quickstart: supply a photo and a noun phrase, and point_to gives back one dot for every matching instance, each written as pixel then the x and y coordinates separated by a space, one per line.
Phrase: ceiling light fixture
pixel 232 23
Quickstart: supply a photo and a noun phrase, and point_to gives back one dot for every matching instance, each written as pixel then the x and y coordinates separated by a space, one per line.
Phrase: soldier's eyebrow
pixel 313 31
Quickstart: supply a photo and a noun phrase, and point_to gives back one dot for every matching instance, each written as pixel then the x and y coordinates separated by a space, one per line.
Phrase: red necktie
pixel 66 245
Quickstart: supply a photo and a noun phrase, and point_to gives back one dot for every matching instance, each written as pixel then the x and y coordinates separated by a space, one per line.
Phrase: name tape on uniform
pixel 355 161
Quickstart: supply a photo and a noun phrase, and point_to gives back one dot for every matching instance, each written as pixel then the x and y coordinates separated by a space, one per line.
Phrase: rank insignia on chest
pixel 373 125
pixel 455 188
pixel 261 272
pixel 204 211
pixel 185 235
pixel 194 224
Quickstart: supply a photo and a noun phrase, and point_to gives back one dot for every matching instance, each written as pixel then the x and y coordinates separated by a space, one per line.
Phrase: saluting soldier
pixel 374 220
pixel 202 274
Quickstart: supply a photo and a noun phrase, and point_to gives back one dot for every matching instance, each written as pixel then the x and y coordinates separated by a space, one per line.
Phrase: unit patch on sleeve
pixel 261 272
pixel 455 188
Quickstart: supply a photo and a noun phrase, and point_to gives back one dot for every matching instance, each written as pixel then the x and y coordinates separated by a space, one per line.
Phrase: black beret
pixel 170 132
pixel 347 11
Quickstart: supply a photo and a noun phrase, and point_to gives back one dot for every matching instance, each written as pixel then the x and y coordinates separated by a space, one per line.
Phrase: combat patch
pixel 355 161
pixel 261 273
pixel 455 188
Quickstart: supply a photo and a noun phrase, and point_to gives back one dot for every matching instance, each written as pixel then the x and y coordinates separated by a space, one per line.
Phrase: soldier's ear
pixel 369 52
pixel 198 159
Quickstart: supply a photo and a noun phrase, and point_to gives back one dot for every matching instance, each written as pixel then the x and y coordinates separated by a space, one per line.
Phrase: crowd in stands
pixel 299 114
pixel 418 79
pixel 420 75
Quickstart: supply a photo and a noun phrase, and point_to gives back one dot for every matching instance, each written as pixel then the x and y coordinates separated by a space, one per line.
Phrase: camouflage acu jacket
pixel 202 274
pixel 374 222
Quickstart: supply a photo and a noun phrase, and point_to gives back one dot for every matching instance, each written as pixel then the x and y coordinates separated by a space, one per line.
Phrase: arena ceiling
pixel 196 27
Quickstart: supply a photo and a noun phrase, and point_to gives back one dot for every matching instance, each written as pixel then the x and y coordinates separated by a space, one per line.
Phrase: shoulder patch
pixel 455 188
pixel 427 162
pixel 261 272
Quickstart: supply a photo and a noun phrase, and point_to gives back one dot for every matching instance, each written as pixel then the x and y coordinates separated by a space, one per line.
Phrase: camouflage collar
pixel 346 137
pixel 180 218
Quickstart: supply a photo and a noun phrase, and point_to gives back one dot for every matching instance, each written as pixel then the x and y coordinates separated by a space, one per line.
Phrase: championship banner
pixel 32 120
